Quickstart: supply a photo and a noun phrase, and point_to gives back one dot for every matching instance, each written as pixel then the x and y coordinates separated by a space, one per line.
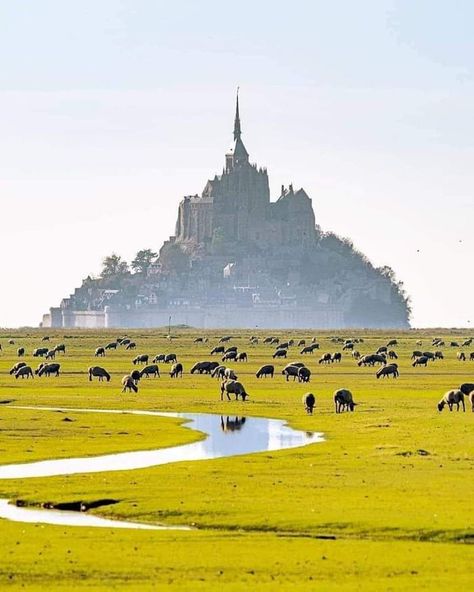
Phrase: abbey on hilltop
pixel 238 259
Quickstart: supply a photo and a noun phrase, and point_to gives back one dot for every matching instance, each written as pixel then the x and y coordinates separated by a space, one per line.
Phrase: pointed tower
pixel 237 129
pixel 239 155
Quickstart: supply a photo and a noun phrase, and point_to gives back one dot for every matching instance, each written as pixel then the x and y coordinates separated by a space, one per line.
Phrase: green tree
pixel 143 260
pixel 113 265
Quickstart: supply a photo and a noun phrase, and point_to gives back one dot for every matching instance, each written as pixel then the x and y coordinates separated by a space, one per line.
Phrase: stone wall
pixel 216 317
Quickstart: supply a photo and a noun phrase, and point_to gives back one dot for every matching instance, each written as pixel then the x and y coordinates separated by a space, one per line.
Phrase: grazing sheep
pixel 304 374
pixel 99 352
pixel 454 344
pixel 309 402
pixel 205 367
pixel 11 342
pixel 225 339
pixel 283 345
pixel 467 388
pixel 343 400
pixel 325 359
pixel 382 350
pixel 48 369
pixel 219 349
pixel 131 345
pixel 218 372
pixel 60 348
pixel 232 387
pixel 125 341
pixel 467 343
pixel 471 357
pixel 129 383
pixel 421 361
pixel 451 398
pixel 301 343
pixel 348 346
pixel 309 349
pixel 267 340
pixel 171 358
pixel 336 357
pixel 232 355
pixel 291 370
pixel 16 367
pixel 274 341
pixel 232 348
pixel 39 352
pixel 372 359
pixel 45 338
pixel 389 370
pixel 141 359
pixel 416 354
pixel 264 371
pixel 20 352
pixel 198 340
pixel 242 357
pixel 254 341
pixel 392 342
pixel 429 355
pixel 280 353
pixel 461 356
pixel 439 355
pixel 176 370
pixel 51 355
pixel 159 358
pixel 111 345
pixel 420 343
pixel 392 355
pixel 224 373
pixel 99 373
pixel 24 371
pixel 356 355
pixel 151 370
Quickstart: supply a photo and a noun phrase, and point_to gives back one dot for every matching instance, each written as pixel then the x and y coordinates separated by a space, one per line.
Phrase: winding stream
pixel 225 436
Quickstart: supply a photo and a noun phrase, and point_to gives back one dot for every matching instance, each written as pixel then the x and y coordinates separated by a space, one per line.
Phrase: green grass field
pixel 385 503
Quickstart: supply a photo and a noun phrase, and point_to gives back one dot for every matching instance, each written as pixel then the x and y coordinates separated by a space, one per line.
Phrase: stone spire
pixel 237 130
pixel 240 153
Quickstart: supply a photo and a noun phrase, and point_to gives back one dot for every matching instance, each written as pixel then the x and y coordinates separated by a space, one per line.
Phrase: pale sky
pixel 112 110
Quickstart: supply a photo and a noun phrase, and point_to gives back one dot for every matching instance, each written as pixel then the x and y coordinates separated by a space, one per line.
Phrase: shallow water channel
pixel 224 436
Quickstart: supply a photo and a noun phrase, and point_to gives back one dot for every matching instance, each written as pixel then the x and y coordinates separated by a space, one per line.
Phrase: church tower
pixel 233 206
pixel 239 155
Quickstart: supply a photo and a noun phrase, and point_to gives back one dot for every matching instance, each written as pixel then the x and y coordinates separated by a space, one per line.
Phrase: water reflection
pixel 230 425
pixel 225 437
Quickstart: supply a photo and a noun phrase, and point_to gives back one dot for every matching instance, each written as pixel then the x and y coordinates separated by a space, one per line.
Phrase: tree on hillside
pixel 143 260
pixel 113 265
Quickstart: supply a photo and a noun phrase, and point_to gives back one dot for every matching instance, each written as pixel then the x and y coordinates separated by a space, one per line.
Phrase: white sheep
pixel 451 398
